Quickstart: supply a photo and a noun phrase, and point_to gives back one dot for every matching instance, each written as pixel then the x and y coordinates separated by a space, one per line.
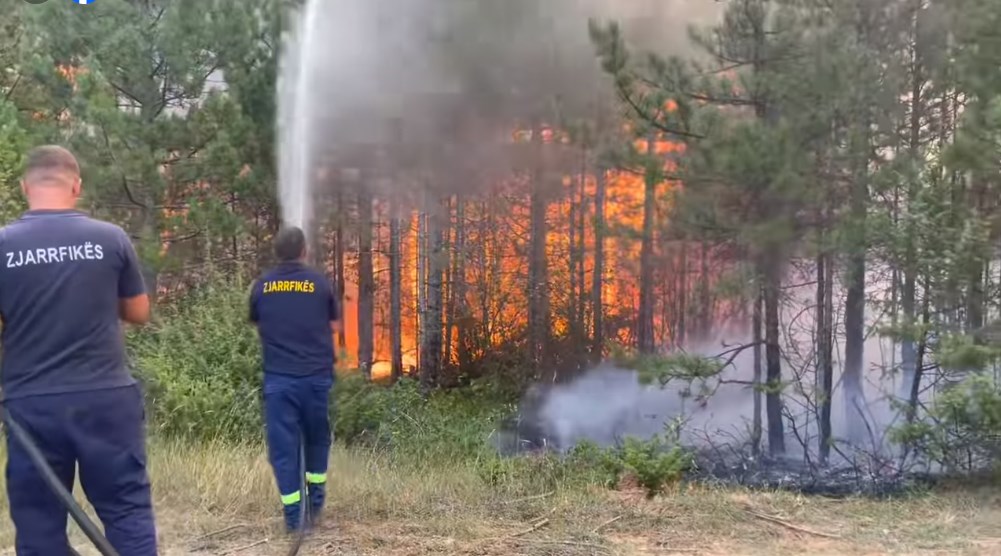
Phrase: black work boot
pixel 317 497
pixel 293 517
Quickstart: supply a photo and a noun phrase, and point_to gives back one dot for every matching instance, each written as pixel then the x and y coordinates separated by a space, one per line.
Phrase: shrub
pixel 200 365
pixel 962 428
pixel 447 424
pixel 595 465
pixel 656 463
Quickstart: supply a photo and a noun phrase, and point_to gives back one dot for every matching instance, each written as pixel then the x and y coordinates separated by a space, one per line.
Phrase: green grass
pixel 415 476
pixel 212 498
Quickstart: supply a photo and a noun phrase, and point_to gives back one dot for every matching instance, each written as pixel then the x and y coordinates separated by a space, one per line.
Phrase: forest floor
pixel 220 500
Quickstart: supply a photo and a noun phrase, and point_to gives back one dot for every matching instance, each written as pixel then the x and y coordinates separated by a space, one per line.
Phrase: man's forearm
pixel 134 310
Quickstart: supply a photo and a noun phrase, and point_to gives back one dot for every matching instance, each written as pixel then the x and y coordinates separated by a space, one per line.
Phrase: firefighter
pixel 66 283
pixel 296 314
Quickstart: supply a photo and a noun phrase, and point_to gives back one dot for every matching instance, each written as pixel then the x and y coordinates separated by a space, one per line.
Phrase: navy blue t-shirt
pixel 62 275
pixel 293 306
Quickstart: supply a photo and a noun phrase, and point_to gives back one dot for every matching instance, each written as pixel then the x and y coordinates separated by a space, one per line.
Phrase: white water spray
pixel 352 70
pixel 297 168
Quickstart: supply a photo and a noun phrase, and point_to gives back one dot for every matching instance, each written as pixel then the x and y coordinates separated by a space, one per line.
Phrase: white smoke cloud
pixel 607 403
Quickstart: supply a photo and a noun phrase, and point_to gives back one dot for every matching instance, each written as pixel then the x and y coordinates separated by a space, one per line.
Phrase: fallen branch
pixel 530 498
pixel 538 525
pixel 245 547
pixel 566 543
pixel 545 515
pixel 678 550
pixel 790 526
pixel 220 531
pixel 605 524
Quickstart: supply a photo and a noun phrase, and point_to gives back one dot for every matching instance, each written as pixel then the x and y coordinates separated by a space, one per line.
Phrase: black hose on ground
pixel 304 516
pixel 50 478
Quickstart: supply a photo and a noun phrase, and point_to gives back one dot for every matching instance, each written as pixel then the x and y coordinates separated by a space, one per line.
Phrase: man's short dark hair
pixel 48 160
pixel 290 244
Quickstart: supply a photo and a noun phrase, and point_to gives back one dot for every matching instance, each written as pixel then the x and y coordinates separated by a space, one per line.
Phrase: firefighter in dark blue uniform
pixel 66 283
pixel 296 314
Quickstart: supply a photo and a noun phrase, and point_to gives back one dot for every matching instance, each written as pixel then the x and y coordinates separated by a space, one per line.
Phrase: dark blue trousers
pixel 296 407
pixel 104 432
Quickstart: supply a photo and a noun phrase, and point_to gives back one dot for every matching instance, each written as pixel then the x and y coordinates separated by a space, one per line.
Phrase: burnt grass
pixel 847 474
pixel 868 477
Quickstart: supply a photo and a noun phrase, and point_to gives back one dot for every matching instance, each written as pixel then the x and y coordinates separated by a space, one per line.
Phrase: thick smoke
pixel 607 404
pixel 430 89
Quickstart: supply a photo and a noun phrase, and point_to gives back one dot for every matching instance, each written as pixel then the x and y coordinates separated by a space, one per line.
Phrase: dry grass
pixel 220 500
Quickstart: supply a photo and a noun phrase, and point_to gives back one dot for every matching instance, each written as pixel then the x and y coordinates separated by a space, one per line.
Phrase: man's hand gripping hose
pixel 49 476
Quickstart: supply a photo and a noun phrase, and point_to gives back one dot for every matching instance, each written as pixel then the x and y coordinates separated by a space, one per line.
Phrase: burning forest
pixel 752 242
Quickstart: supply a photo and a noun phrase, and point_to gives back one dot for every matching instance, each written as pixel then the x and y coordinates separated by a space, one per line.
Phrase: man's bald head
pixel 290 244
pixel 51 165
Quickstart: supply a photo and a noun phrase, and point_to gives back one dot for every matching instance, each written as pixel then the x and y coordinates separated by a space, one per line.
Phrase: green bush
pixel 592 464
pixel 962 428
pixel 447 424
pixel 656 463
pixel 200 364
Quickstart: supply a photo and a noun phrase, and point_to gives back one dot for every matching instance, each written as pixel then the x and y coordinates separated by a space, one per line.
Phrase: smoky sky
pixel 442 80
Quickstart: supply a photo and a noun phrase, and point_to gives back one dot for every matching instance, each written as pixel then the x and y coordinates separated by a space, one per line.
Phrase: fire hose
pixel 303 501
pixel 53 482
pixel 88 526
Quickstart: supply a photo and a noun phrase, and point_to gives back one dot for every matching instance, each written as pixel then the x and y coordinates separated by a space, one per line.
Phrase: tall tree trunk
pixel 914 395
pixel 854 344
pixel 644 325
pixel 581 337
pixel 768 274
pixel 538 273
pixel 395 290
pixel 683 295
pixel 665 294
pixel 975 275
pixel 572 317
pixel 773 357
pixel 449 284
pixel 908 351
pixel 485 268
pixel 860 143
pixel 597 305
pixel 422 256
pixel 825 350
pixel 459 286
pixel 975 297
pixel 366 284
pixel 756 324
pixel 431 358
pixel 855 299
pixel 706 302
pixel 339 280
